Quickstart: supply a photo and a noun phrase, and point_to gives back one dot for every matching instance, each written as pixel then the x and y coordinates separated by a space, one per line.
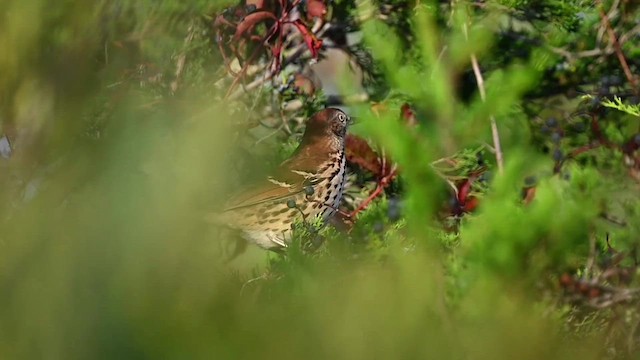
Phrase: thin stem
pixel 494 127
pixel 618 50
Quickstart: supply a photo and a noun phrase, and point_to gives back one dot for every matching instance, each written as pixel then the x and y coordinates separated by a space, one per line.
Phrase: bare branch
pixel 182 58
pixel 618 49
pixel 494 127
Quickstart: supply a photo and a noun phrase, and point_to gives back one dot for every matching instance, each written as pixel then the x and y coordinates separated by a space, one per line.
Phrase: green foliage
pixel 119 151
pixel 619 105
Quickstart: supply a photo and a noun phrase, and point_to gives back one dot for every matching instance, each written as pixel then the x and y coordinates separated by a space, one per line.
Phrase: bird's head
pixel 330 122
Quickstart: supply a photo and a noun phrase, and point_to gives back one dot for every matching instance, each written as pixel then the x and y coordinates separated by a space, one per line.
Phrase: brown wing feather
pixel 267 190
pixel 263 192
pixel 303 159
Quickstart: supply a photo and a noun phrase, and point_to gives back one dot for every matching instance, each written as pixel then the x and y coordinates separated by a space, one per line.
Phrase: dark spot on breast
pixel 273 220
pixel 262 222
pixel 326 198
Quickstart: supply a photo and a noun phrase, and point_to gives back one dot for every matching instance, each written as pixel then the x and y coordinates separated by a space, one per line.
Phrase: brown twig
pixel 382 184
pixel 618 49
pixel 244 69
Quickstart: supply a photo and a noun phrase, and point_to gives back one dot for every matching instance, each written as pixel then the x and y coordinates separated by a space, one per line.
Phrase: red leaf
pixel 313 43
pixel 464 191
pixel 277 50
pixel 250 21
pixel 408 114
pixel 316 9
pixel 359 152
pixel 471 204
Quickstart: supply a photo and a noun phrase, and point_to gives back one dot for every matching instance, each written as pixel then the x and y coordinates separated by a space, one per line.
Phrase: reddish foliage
pixel 470 204
pixel 408 114
pixel 528 194
pixel 359 152
pixel 303 85
pixel 316 9
pixel 313 43
pixel 464 190
pixel 464 202
pixel 235 26
pixel 248 23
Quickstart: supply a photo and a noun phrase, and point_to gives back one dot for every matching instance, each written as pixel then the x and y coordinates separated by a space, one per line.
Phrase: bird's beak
pixel 352 120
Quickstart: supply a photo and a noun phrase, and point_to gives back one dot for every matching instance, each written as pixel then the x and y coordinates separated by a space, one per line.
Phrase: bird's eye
pixel 342 117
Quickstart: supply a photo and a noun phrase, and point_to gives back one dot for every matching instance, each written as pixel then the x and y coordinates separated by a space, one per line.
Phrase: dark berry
pixel 480 158
pixel 453 201
pixel 615 80
pixel 250 8
pixel 545 129
pixel 530 181
pixel 604 91
pixel 636 139
pixel 552 122
pixel 308 190
pixel 393 213
pixel 291 204
pixel 455 205
pixel 394 202
pixel 556 137
pixel 566 176
pixel 558 155
pixel 378 227
pixel 579 127
pixel 634 100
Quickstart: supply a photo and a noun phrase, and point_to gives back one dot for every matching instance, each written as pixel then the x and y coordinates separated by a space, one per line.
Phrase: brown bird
pixel 307 185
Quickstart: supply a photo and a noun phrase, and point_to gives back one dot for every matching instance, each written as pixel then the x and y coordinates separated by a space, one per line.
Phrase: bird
pixel 306 186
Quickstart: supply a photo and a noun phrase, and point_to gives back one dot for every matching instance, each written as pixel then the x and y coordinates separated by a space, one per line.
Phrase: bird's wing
pixel 275 188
